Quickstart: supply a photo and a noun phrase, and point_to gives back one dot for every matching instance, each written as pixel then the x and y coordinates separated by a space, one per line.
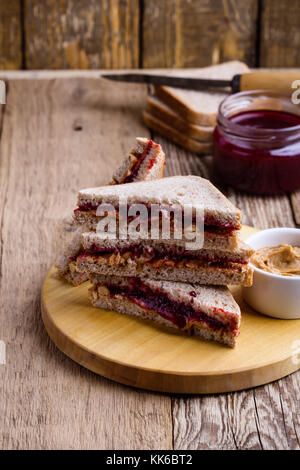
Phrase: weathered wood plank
pixel 10 35
pixel 264 418
pixel 264 212
pixel 182 162
pixel 48 401
pixel 277 413
pixel 216 422
pixel 195 34
pixel 79 35
pixel 279 36
pixel 288 391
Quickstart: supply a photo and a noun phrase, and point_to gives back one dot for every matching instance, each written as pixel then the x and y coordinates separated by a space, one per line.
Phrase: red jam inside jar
pixel 257 143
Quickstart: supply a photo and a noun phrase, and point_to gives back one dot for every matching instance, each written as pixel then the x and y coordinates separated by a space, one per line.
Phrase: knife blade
pixel 176 82
pixel 283 82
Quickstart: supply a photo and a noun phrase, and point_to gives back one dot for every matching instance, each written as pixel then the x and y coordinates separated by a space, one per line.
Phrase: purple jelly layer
pixel 179 314
pixel 151 255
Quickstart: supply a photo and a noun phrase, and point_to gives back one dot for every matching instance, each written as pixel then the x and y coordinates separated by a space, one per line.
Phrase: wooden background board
pixel 87 34
pixel 279 34
pixel 189 34
pixel 81 35
pixel 48 401
pixel 10 35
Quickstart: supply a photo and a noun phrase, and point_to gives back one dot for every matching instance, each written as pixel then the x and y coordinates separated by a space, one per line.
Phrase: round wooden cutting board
pixel 139 353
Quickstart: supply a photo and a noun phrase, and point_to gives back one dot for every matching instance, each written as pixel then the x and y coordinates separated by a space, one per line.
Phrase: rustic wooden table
pixel 58 134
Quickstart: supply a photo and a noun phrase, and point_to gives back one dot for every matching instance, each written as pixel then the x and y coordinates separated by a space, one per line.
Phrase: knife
pixel 280 81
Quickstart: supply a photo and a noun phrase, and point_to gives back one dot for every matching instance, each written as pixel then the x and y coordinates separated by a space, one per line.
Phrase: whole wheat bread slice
pixel 200 107
pixel 174 190
pixel 164 260
pixel 176 136
pixel 232 274
pixel 159 110
pixel 214 241
pixel 101 243
pixel 216 303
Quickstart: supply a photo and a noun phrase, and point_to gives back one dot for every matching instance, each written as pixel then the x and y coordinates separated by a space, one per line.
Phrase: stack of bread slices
pixel 188 117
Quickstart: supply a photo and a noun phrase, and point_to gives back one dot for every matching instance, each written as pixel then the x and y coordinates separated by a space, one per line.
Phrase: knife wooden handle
pixel 280 81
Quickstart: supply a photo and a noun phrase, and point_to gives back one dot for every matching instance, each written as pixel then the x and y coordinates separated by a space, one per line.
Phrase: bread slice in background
pixel 176 136
pixel 199 107
pixel 159 110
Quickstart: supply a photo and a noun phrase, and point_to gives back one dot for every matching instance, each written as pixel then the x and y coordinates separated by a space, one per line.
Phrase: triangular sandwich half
pixel 208 312
pixel 222 220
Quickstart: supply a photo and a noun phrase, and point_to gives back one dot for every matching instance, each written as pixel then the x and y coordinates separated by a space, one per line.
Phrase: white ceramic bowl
pixel 274 295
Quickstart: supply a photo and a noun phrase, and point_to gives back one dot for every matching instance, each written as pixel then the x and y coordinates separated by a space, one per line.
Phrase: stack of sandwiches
pixel 160 278
pixel 188 117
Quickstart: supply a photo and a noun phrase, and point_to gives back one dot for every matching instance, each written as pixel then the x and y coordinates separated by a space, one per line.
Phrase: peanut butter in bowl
pixel 283 260
pixel 276 280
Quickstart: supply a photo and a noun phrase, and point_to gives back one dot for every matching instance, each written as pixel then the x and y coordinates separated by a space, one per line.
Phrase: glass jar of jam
pixel 257 142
